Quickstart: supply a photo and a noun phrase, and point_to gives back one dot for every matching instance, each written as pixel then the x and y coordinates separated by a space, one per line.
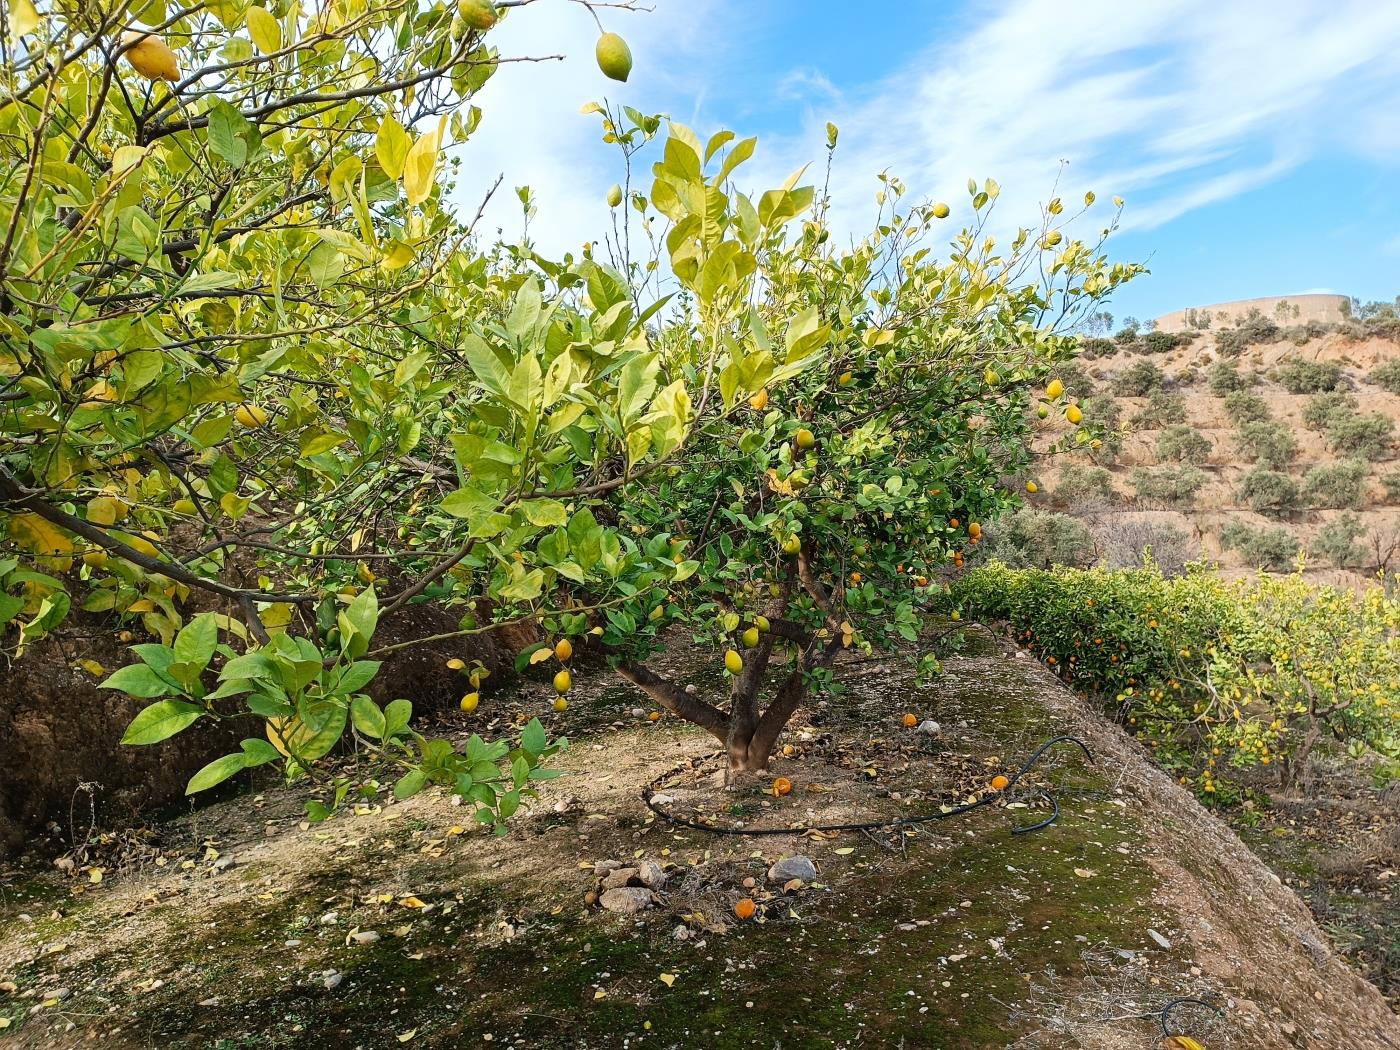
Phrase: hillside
pixel 1238 446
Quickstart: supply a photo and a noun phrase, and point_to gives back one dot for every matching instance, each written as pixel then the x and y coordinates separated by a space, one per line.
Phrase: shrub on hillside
pixel 1078 383
pixel 1253 329
pixel 1268 491
pixel 1243 407
pixel 1128 538
pixel 1336 485
pixel 1081 484
pixel 1387 376
pixel 1183 444
pixel 1226 377
pixel 1040 539
pixel 1266 442
pixel 1302 334
pixel 1391 483
pixel 1318 412
pixel 1164 342
pixel 1336 542
pixel 1167 486
pixel 1096 346
pixel 1138 380
pixel 1273 548
pixel 1161 410
pixel 1298 375
pixel 1367 436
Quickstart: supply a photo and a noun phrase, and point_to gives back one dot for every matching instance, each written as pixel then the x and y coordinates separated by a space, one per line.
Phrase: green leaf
pixel 546 512
pixel 391 146
pixel 258 752
pixel 369 720
pixel 410 784
pixel 24 18
pixel 137 680
pixel 160 721
pixel 229 134
pixel 533 739
pixel 396 717
pixel 216 772
pixel 195 643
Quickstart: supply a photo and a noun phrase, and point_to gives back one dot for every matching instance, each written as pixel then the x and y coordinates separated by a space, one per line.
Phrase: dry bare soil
pixel 393 924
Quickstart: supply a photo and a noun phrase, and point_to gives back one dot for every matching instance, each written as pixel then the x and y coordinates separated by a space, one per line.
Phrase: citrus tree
pixel 239 319
pixel 858 413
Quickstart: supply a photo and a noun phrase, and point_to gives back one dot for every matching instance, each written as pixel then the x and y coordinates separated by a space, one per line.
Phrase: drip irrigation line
pixel 873 825
pixel 1169 1007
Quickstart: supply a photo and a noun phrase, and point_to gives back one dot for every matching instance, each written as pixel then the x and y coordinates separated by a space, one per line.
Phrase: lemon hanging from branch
pixel 614 57
pixel 150 56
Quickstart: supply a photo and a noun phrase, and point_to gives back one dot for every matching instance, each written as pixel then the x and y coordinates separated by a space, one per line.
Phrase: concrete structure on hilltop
pixel 1281 309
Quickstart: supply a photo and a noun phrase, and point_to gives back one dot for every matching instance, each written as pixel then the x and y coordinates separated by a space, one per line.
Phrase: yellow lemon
pixel 614 196
pixel 563 682
pixel 564 650
pixel 792 545
pixel 761 622
pixel 941 210
pixel 759 401
pixel 751 637
pixel 250 415
pixel 805 438
pixel 1074 415
pixel 479 14
pixel 614 57
pixel 1032 487
pixel 151 57
pixel 470 701
pixel 733 662
pixel 1055 389
pixel 560 704
pixel 844 379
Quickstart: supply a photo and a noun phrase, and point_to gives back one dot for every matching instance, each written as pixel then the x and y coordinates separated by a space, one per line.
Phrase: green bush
pixel 1387 376
pixel 1225 378
pixel 1367 436
pixel 1095 346
pixel 1336 542
pixel 1255 328
pixel 1268 491
pixel 1079 484
pixel 1183 444
pixel 1318 412
pixel 1079 384
pixel 1391 482
pixel 1040 539
pixel 1167 486
pixel 1336 485
pixel 1138 380
pixel 1161 410
pixel 1298 375
pixel 1243 407
pixel 1163 342
pixel 1275 663
pixel 1266 442
pixel 1269 548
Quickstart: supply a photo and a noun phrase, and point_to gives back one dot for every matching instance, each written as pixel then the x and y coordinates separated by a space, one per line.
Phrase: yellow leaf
pixel 668 979
pixel 844 851
pixel 94 875
pixel 406 1036
pixel 411 902
pixel 106 510
pixel 33 533
pixel 92 667
pixel 600 994
pixel 420 165
pixel 1085 873
pixel 264 30
pixel 540 655
pixel 391 146
pixel 4 1023
pixel 24 18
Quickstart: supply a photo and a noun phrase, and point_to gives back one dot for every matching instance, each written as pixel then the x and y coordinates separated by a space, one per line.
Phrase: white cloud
pixel 1174 104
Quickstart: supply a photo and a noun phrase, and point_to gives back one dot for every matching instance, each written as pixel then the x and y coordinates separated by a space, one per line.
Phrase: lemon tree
pixel 858 412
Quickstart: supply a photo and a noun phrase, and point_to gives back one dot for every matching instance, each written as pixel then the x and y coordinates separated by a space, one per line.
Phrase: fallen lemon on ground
pixel 470 701
pixel 1000 783
pixel 782 786
pixel 560 704
pixel 745 908
pixel 910 721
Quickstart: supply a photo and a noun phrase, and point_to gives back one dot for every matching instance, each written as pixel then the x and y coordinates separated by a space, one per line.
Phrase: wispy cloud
pixel 1174 104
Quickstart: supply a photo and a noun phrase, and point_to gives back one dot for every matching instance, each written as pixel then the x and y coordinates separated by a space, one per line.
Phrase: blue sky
pixel 1257 144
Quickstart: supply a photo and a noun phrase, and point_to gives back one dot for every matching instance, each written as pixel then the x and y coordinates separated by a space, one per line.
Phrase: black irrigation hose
pixel 872 825
pixel 1167 1009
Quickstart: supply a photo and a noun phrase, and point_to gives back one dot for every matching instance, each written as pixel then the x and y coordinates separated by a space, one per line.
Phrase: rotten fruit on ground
pixel 614 57
pixel 1000 783
pixel 654 716
pixel 745 908
pixel 910 720
pixel 782 786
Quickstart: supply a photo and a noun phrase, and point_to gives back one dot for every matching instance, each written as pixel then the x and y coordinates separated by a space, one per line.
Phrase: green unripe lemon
pixel 479 14
pixel 614 57
pixel 792 545
pixel 614 196
pixel 761 622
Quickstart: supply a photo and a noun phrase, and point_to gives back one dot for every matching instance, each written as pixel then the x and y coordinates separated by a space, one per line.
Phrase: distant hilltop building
pixel 1281 309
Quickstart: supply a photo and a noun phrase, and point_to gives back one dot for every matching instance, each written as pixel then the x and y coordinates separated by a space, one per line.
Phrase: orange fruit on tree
pixel 745 908
pixel 1000 783
pixel 782 786
pixel 910 721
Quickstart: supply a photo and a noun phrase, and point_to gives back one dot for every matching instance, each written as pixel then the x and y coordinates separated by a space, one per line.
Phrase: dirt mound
pixel 240 926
